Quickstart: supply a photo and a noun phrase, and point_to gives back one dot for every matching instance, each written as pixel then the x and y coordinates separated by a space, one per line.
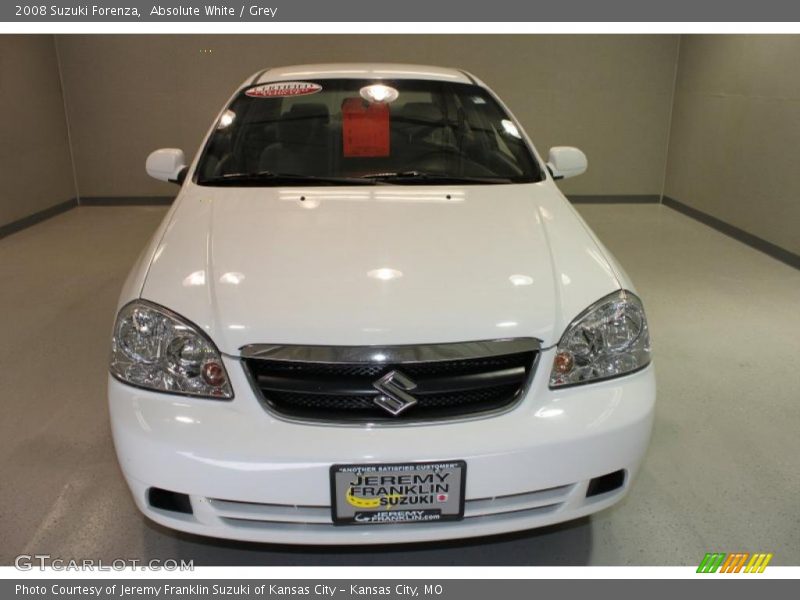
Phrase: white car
pixel 370 316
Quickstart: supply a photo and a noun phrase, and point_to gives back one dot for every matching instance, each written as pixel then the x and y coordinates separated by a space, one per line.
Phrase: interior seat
pixel 303 142
pixel 417 121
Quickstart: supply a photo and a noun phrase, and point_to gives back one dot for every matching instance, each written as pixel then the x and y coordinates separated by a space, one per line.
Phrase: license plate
pixel 398 493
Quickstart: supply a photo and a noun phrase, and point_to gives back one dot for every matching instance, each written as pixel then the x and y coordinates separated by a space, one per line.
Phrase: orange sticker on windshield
pixel 283 89
pixel 365 128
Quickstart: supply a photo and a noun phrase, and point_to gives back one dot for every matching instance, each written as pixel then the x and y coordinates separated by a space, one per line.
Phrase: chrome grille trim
pixel 273 513
pixel 390 354
pixel 322 527
pixel 516 502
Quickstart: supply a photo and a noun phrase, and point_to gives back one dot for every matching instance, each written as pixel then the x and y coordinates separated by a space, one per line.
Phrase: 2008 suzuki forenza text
pixel 370 316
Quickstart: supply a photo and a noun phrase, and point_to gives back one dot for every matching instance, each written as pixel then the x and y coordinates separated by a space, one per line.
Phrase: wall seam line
pixel 669 120
pixel 66 122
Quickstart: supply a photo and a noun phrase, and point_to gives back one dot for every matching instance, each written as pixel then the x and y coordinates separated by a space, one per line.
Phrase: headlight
pixel 156 349
pixel 608 339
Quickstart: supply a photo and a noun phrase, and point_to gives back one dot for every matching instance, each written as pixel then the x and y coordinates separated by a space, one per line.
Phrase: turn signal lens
pixel 563 362
pixel 214 374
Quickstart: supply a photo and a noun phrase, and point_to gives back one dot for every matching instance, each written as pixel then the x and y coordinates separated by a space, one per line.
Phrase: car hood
pixel 376 265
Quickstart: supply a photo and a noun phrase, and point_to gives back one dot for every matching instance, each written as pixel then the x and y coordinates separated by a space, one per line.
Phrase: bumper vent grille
pixel 341 384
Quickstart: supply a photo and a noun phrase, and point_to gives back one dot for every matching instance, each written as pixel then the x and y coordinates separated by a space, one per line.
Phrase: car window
pixel 348 128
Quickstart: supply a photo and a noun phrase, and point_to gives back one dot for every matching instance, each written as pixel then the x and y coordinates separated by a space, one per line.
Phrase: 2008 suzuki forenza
pixel 370 316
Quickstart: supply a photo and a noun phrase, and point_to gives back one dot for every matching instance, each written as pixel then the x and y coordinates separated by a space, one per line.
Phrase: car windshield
pixel 349 131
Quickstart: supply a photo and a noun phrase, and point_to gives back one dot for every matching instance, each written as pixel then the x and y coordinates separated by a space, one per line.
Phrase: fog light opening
pixel 606 483
pixel 171 501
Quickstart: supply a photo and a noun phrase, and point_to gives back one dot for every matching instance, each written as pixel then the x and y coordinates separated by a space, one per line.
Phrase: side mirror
pixel 167 164
pixel 566 161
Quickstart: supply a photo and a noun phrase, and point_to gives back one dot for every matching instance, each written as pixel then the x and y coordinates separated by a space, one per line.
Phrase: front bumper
pixel 252 476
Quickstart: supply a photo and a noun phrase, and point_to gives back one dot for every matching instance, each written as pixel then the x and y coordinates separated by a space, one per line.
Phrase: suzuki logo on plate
pixel 394 397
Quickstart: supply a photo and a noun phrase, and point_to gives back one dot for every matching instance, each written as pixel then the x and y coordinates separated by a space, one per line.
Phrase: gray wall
pixel 610 95
pixel 732 128
pixel 735 141
pixel 34 154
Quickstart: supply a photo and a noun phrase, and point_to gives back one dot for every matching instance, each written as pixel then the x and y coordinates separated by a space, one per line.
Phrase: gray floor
pixel 722 473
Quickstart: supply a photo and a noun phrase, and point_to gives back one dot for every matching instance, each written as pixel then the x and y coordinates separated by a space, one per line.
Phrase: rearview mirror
pixel 167 164
pixel 566 161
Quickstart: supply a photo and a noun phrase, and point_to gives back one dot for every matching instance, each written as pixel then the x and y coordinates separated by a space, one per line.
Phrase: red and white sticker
pixel 283 89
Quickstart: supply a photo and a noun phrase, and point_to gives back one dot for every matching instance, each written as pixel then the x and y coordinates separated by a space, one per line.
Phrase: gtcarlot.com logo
pixel 735 562
pixel 27 562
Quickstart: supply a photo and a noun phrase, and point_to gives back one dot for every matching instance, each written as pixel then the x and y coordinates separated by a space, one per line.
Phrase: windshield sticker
pixel 365 128
pixel 284 89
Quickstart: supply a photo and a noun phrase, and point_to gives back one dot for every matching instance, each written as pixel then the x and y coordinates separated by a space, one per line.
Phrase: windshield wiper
pixel 425 177
pixel 257 178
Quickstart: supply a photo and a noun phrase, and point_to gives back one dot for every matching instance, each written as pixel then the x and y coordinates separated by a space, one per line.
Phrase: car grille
pixel 338 384
pixel 253 514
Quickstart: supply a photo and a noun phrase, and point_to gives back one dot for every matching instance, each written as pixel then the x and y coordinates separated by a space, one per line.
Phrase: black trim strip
pixel 776 252
pixel 37 217
pixel 126 200
pixel 615 199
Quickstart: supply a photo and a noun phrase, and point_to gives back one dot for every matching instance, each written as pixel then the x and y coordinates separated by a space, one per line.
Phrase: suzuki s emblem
pixel 394 397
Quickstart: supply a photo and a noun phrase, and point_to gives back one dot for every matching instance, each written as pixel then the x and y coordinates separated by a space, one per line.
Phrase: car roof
pixel 359 71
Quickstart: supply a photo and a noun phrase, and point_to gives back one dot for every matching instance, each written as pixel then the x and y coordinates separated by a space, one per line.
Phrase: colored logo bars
pixel 734 562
